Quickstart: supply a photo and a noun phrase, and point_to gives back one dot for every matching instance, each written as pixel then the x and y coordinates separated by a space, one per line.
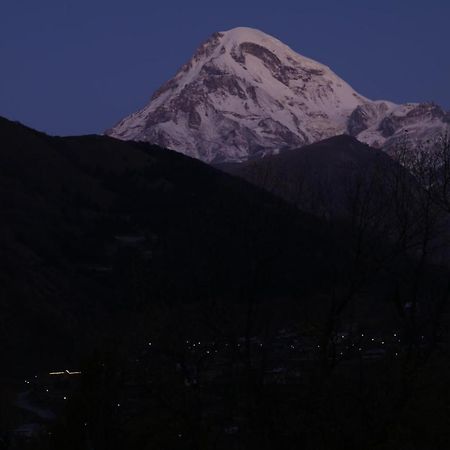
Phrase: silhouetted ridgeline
pixel 69 204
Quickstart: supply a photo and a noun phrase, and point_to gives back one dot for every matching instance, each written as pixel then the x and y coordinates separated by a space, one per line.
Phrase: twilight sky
pixel 78 66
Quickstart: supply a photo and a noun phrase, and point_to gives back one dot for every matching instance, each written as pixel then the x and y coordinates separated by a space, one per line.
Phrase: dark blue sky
pixel 78 66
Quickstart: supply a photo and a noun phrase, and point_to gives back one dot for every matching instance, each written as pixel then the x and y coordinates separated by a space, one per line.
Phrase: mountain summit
pixel 245 94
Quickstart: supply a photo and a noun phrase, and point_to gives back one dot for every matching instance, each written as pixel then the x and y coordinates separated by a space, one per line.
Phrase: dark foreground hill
pixel 322 178
pixel 206 312
pixel 91 225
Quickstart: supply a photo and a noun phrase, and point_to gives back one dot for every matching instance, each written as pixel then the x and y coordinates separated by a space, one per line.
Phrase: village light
pixel 66 372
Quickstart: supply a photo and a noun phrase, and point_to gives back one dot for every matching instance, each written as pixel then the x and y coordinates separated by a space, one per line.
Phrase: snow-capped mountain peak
pixel 244 94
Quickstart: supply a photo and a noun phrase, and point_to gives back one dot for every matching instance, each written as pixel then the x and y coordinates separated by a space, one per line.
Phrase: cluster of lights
pixel 194 346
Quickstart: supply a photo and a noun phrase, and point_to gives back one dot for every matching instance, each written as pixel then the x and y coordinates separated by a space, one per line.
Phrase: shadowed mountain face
pixel 92 226
pixel 244 94
pixel 325 178
pixel 342 180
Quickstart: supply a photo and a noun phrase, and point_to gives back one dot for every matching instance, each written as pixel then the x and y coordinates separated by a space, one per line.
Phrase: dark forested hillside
pixel 149 300
pixel 323 178
pixel 80 214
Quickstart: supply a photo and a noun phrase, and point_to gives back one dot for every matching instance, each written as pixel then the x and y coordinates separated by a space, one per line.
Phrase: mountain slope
pixel 343 180
pixel 93 229
pixel 245 94
pixel 385 125
pixel 321 178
